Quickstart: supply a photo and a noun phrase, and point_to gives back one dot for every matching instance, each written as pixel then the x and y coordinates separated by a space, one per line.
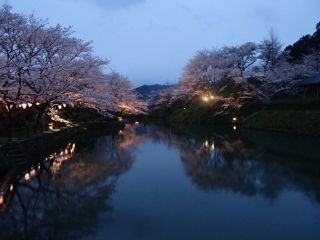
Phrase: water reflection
pixel 250 163
pixel 68 193
pixel 63 196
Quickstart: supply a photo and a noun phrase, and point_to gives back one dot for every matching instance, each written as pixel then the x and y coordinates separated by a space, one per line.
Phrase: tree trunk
pixel 41 111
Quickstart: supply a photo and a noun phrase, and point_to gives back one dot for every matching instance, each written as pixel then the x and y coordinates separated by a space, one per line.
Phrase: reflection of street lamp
pixel 234 127
pixel 27 177
pixel 32 172
pixel 212 146
pixel 234 119
pixel 1 199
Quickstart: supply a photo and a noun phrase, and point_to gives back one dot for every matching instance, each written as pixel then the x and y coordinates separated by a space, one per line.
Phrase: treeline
pixel 44 67
pixel 246 75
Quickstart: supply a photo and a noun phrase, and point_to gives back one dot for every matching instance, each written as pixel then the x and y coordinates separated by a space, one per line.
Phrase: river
pixel 158 182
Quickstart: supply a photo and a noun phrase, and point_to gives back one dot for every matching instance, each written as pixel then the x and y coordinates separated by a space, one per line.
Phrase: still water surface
pixel 154 182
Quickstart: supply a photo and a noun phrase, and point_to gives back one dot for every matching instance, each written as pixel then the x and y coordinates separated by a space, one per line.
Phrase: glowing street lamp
pixel 29 105
pixel 234 127
pixel 234 119
pixel 59 107
pixel 24 105
pixel 205 98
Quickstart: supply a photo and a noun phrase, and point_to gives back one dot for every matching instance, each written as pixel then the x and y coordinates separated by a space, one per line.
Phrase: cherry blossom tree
pixel 42 66
pixel 12 68
pixel 125 99
pixel 242 57
pixel 203 71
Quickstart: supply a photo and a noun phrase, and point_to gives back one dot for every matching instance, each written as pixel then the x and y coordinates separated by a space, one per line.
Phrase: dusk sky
pixel 150 41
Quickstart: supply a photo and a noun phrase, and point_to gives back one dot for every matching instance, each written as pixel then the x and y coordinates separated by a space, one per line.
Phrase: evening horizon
pixel 151 41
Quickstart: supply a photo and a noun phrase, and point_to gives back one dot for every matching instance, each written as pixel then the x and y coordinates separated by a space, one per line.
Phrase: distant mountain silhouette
pixel 146 90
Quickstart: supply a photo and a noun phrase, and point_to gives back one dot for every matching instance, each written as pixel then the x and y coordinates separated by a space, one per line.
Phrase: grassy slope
pixel 195 111
pixel 296 121
pixel 300 115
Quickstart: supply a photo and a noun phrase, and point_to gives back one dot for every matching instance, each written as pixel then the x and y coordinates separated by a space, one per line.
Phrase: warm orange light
pixel 1 199
pixel 24 105
pixel 206 99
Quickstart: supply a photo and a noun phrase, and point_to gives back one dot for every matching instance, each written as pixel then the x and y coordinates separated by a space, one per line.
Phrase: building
pixel 310 86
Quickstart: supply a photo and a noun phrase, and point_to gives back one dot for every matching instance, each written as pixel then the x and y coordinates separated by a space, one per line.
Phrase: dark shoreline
pixel 49 141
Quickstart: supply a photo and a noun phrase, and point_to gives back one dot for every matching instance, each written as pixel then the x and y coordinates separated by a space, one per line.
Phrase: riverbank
pixel 197 111
pixel 296 116
pixel 47 141
pixel 302 122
